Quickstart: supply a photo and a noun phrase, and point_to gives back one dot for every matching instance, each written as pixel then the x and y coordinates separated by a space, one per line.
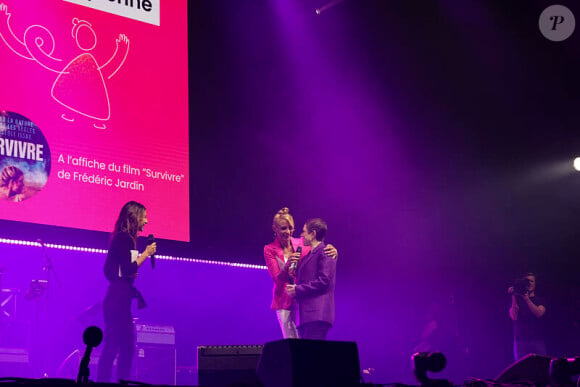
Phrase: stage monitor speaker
pixel 156 357
pixel 530 369
pixel 156 364
pixel 226 365
pixel 305 363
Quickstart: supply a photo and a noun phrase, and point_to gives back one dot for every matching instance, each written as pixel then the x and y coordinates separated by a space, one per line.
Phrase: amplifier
pixel 14 362
pixel 155 334
pixel 13 355
pixel 156 357
pixel 156 364
pixel 220 365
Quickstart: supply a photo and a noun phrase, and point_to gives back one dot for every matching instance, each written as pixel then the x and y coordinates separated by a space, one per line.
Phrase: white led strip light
pixel 101 251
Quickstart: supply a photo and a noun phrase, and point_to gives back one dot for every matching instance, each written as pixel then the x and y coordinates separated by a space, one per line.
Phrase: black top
pixel 118 265
pixel 528 326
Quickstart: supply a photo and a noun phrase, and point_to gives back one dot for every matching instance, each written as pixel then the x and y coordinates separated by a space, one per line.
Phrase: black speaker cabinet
pixel 226 365
pixel 155 364
pixel 530 369
pixel 306 363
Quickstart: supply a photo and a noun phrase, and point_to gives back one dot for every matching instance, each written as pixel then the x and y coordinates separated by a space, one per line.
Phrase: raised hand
pixel 123 41
pixel 4 15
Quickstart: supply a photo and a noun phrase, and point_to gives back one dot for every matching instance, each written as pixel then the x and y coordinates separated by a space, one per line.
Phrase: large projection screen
pixel 94 113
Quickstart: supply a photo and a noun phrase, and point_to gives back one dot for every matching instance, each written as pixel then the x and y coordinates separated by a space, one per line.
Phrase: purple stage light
pixel 101 251
pixel 328 5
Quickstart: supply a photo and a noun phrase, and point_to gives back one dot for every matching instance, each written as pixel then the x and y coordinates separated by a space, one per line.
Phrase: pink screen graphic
pixel 93 113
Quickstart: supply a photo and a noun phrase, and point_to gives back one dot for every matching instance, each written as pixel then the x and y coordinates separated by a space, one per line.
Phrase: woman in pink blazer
pixel 280 256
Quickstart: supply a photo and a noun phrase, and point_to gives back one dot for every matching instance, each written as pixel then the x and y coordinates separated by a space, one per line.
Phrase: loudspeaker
pixel 155 354
pixel 531 369
pixel 225 365
pixel 14 362
pixel 305 363
pixel 155 364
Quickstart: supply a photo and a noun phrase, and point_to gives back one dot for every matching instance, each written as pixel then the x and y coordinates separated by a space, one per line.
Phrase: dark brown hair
pixel 318 225
pixel 128 220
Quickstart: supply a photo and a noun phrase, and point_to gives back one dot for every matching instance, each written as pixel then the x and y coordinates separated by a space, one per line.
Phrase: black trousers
pixel 119 335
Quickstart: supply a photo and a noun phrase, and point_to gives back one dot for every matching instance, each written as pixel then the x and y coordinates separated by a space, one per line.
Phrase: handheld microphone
pixel 292 268
pixel 150 240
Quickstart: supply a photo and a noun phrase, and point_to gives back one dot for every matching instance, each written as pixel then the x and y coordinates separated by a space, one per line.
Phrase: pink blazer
pixel 274 256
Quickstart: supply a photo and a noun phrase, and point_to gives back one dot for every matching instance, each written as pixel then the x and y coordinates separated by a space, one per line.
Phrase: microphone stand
pixel 48 267
pixel 84 372
pixel 92 338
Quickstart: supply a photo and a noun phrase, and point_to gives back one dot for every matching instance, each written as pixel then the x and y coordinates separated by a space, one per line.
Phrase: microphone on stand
pixel 150 240
pixel 292 268
pixel 92 337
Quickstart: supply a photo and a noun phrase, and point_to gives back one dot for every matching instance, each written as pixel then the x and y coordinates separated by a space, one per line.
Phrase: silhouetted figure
pixel 526 311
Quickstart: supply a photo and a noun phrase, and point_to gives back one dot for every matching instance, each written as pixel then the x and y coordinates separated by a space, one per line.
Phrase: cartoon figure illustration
pixel 80 85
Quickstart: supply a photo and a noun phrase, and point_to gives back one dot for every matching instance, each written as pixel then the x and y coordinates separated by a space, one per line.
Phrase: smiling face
pixel 283 229
pixel 308 237
pixel 143 220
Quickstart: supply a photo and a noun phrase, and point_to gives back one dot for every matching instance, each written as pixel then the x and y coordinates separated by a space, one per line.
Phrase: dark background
pixel 436 138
